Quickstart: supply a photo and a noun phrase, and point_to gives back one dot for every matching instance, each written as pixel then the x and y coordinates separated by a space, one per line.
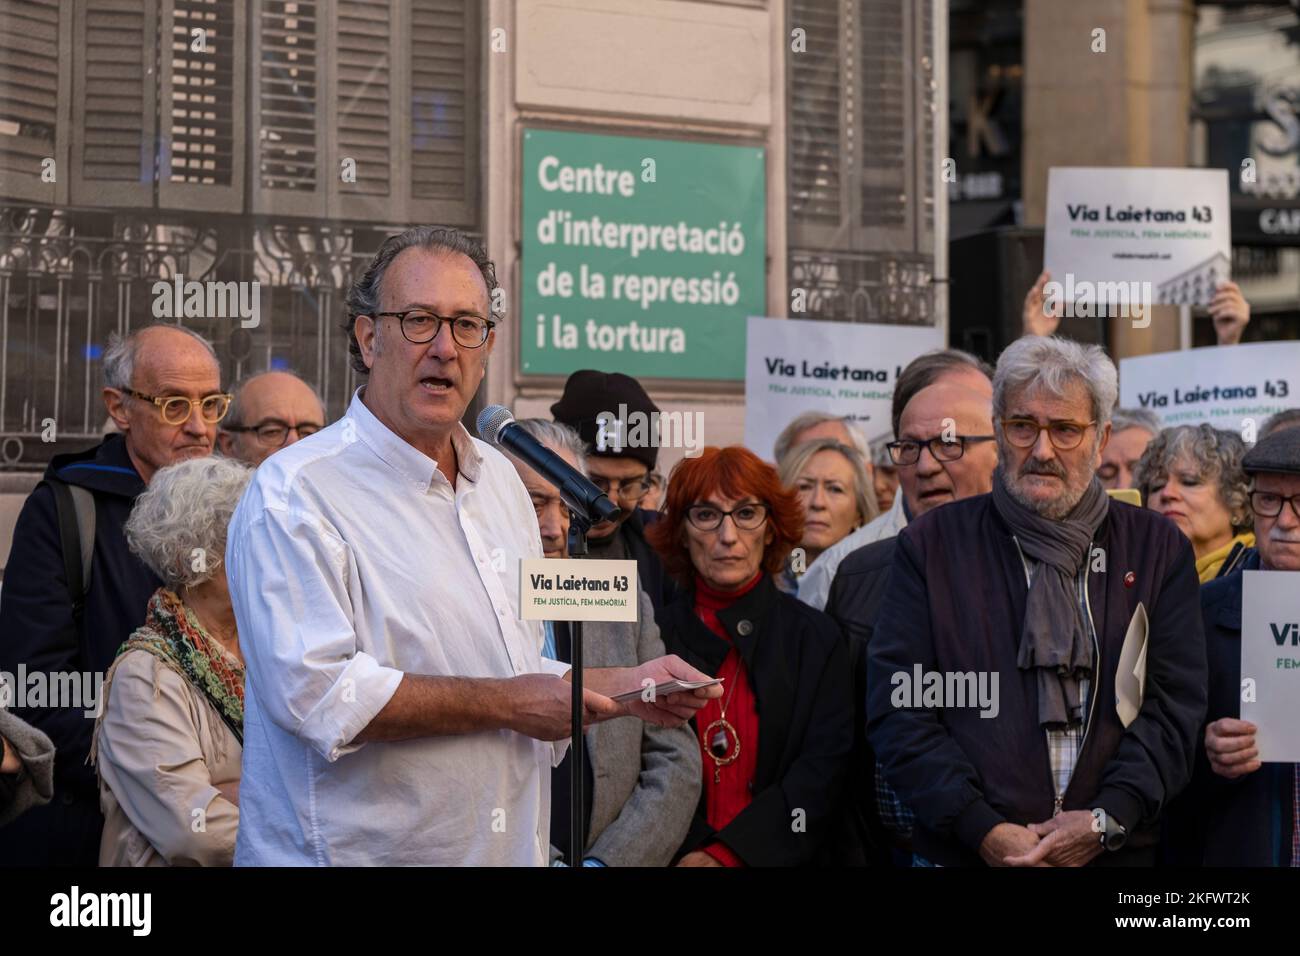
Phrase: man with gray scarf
pixel 1080 612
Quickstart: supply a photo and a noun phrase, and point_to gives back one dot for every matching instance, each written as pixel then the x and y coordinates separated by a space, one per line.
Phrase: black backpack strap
pixel 75 507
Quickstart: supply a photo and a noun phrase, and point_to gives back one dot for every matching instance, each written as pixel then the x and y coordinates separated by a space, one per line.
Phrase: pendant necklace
pixel 719 744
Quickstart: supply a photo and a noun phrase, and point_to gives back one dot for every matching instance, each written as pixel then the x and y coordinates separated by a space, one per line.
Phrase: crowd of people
pixel 313 655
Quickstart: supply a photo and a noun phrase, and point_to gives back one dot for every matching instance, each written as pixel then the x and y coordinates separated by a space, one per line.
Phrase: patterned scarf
pixel 173 634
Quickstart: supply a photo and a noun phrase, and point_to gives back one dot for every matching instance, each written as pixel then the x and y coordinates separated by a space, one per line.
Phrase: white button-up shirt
pixel 352 561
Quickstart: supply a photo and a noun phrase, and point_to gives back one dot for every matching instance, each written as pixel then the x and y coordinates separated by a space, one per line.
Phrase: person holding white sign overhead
pixel 1239 812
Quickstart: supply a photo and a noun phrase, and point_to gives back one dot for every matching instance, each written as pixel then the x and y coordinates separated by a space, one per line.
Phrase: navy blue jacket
pixel 1222 822
pixel 956 603
pixel 36 629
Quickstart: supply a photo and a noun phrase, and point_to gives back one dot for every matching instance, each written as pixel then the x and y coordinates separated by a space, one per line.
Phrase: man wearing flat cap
pixel 618 424
pixel 1238 811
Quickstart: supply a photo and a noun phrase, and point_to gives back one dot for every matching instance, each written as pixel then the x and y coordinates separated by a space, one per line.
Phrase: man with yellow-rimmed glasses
pixel 73 591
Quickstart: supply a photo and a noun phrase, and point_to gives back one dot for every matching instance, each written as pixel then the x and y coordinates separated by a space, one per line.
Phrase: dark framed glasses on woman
pixel 1064 435
pixel 420 326
pixel 746 517
pixel 908 452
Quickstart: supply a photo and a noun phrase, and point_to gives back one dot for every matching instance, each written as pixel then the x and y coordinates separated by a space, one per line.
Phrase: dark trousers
pixel 63 832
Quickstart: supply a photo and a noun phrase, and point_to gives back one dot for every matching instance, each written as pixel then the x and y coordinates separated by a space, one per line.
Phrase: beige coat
pixel 168 766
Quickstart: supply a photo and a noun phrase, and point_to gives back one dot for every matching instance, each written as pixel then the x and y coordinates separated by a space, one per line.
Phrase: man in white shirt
pixel 396 710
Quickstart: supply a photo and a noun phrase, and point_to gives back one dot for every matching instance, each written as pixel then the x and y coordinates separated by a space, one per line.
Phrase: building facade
pixel 279 141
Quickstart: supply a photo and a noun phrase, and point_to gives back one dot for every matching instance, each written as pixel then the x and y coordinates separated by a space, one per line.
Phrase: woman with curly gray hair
pixel 169 739
pixel 1192 475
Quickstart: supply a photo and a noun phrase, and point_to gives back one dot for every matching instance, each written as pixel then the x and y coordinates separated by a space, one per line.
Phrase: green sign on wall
pixel 642 256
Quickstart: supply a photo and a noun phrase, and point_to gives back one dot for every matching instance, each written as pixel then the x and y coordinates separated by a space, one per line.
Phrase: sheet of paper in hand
pixel 668 687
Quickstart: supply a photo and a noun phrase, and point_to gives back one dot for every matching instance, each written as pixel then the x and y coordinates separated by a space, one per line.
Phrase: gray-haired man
pixel 162 388
pixel 1046 593
pixel 643 781
pixel 948 366
pixel 397 709
pixel 1132 429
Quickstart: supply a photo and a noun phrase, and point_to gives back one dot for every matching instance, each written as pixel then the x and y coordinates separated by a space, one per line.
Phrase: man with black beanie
pixel 619 424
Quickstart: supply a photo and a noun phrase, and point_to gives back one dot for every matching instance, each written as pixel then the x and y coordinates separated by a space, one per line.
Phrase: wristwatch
pixel 1113 834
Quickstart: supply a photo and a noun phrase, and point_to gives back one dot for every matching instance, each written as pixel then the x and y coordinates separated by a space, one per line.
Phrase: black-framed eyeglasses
pixel 275 433
pixel 1268 504
pixel 1063 434
pixel 176 409
pixel 745 517
pixel 628 492
pixel 420 326
pixel 908 452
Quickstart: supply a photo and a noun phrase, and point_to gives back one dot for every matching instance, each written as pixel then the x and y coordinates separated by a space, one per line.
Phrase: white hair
pixel 556 436
pixel 801 423
pixel 178 524
pixel 1043 364
pixel 1123 419
pixel 119 355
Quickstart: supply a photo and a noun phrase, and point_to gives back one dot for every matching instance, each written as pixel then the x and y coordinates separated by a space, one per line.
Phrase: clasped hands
pixel 1067 839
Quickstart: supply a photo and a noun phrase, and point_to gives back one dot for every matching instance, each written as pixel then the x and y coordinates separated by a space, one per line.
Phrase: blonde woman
pixel 830 479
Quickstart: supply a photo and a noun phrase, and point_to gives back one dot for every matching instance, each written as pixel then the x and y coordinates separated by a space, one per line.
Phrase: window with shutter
pixel 443 120
pixel 861 165
pixel 288 108
pixel 201 152
pixel 815 126
pixel 114 102
pixel 363 53
pixel 373 117
pixel 34 88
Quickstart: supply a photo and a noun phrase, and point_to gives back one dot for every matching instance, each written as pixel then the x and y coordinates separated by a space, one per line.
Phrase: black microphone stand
pixel 578 525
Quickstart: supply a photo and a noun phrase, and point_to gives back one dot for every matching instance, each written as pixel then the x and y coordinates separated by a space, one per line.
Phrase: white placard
pixel 575 589
pixel 1230 386
pixel 1154 236
pixel 794 366
pixel 1270 657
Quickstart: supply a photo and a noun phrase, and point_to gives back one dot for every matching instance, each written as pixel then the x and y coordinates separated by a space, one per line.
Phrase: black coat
pixel 798 667
pixel 856 596
pixel 1222 822
pixel 956 604
pixel 36 629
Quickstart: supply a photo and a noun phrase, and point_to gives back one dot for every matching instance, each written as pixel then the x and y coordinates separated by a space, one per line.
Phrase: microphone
pixel 497 426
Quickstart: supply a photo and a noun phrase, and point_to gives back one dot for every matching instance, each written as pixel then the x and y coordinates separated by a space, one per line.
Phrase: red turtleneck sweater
pixel 734 789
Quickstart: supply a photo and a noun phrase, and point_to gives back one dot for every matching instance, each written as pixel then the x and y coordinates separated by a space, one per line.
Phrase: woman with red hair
pixel 776 744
